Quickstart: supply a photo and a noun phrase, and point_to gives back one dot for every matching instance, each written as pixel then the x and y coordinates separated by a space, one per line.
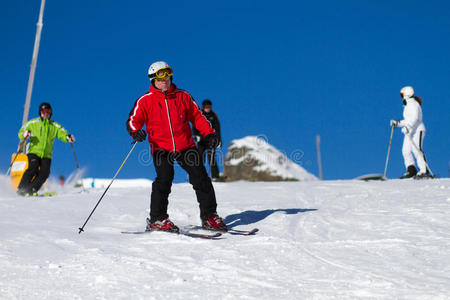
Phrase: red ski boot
pixel 214 222
pixel 164 225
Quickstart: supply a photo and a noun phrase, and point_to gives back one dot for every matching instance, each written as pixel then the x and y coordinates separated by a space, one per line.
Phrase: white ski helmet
pixel 155 67
pixel 407 92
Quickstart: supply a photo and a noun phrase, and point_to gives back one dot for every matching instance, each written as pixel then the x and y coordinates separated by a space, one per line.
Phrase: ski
pixel 47 194
pixel 185 233
pixel 230 231
pixel 243 232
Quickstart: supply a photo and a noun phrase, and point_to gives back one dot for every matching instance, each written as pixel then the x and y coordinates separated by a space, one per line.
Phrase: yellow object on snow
pixel 20 164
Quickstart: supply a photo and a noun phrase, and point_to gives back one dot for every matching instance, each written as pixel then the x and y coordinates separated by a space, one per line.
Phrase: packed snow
pixel 118 183
pixel 317 240
pixel 271 159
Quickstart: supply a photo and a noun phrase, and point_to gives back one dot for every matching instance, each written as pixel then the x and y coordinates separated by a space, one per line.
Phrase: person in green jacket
pixel 42 132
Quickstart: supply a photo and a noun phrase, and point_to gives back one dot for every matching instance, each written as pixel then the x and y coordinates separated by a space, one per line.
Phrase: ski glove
pixel 213 140
pixel 139 135
pixel 70 138
pixel 394 123
pixel 405 130
pixel 26 134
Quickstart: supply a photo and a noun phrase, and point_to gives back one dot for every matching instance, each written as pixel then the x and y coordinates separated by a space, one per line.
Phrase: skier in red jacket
pixel 166 112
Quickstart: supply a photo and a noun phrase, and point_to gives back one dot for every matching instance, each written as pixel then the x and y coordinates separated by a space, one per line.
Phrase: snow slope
pixel 317 240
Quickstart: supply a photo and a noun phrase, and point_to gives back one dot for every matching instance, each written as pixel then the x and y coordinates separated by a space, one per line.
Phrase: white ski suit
pixel 412 120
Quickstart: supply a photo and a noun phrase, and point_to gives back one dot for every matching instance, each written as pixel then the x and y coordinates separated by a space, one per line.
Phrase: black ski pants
pixel 36 174
pixel 202 148
pixel 191 162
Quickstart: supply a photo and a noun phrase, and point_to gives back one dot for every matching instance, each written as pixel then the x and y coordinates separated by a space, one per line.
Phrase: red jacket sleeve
pixel 196 117
pixel 137 117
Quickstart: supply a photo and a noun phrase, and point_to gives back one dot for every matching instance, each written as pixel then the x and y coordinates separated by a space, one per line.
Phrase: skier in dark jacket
pixel 166 112
pixel 201 142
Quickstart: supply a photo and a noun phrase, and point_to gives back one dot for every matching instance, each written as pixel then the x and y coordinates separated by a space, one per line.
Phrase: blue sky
pixel 288 70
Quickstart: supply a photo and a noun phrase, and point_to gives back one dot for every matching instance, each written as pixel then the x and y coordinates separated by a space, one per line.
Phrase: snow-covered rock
pixel 252 158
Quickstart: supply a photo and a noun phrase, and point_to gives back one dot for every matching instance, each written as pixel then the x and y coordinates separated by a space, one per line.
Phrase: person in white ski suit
pixel 412 125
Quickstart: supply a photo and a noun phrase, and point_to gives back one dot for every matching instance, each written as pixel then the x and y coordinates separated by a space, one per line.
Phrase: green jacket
pixel 43 134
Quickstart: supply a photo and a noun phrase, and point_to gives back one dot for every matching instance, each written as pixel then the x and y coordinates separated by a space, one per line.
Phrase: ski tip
pixel 253 231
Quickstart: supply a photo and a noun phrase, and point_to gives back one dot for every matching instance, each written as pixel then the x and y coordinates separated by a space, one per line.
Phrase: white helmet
pixel 407 92
pixel 155 67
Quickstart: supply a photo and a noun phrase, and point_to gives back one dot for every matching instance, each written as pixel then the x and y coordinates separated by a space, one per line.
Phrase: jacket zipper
pixel 170 122
pixel 45 128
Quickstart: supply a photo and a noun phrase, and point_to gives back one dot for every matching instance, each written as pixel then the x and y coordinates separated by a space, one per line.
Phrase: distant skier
pixel 201 142
pixel 413 126
pixel 42 132
pixel 166 112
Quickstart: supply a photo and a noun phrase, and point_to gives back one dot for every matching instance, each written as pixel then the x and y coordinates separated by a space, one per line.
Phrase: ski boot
pixel 425 175
pixel 411 171
pixel 26 193
pixel 33 192
pixel 164 225
pixel 22 193
pixel 214 222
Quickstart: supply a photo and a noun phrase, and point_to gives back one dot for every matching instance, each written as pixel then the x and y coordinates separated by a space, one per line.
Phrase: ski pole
pixel 78 166
pixel 389 150
pixel 74 155
pixel 82 227
pixel 211 161
pixel 418 150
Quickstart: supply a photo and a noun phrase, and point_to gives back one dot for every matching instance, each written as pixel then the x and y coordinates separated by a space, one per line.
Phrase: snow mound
pixel 253 158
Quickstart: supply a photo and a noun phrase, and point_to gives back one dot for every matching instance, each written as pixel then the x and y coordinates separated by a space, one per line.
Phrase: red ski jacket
pixel 167 116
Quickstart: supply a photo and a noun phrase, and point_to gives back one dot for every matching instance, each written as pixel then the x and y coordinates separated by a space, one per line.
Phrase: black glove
pixel 139 135
pixel 70 138
pixel 213 140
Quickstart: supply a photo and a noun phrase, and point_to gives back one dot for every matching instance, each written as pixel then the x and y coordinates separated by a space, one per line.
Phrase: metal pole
pixel 389 150
pixel 78 166
pixel 211 152
pixel 81 229
pixel 74 155
pixel 319 157
pixel 33 64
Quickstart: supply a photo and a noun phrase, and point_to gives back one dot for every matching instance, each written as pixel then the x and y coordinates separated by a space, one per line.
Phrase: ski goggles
pixel 46 111
pixel 163 74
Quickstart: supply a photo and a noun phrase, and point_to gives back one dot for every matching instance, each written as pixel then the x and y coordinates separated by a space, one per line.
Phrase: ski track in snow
pixel 318 239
